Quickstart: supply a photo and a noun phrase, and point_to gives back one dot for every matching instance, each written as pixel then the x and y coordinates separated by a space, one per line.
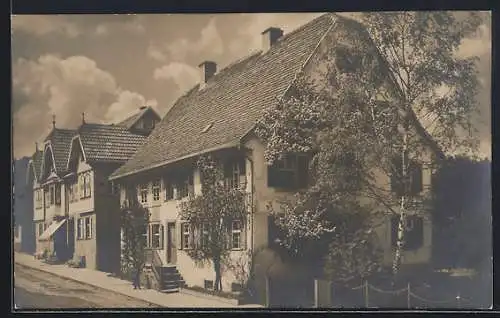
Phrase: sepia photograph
pixel 316 160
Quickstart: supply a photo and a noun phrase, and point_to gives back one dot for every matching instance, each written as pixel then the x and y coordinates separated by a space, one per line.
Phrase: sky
pixel 107 66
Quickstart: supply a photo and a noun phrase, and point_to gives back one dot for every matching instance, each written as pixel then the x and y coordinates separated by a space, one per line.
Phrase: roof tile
pixel 232 100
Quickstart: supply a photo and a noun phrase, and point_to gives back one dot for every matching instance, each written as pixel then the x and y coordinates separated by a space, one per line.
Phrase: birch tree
pixel 211 215
pixel 385 91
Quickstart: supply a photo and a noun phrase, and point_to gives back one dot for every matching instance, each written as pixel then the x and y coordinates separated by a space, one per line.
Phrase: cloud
pixel 45 24
pixel 155 53
pixel 183 75
pixel 133 25
pixel 127 102
pixel 248 35
pixel 66 88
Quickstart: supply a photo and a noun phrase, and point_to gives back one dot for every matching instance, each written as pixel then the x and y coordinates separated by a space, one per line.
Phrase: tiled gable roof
pixel 108 142
pixel 231 101
pixel 60 141
pixel 132 119
pixel 36 162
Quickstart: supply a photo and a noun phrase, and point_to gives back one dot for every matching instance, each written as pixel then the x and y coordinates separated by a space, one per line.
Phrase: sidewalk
pixel 102 280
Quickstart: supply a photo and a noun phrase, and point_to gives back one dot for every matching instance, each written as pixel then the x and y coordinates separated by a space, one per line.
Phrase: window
pixel 144 191
pixel 205 236
pixel 169 190
pixel 236 235
pixel 185 186
pixel 39 198
pixel 156 190
pixel 73 192
pixel 412 186
pixel 155 236
pixel 85 186
pixel 80 225
pixel 58 194
pixel 41 228
pixel 187 239
pixel 52 194
pixel 85 228
pixel 47 197
pixel 414 232
pixel 289 173
pixel 150 124
pixel 234 174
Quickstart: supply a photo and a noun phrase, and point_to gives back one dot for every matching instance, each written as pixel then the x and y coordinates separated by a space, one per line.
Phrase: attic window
pixel 207 127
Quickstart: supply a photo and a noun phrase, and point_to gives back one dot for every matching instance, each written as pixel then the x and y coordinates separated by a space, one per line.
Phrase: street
pixel 40 290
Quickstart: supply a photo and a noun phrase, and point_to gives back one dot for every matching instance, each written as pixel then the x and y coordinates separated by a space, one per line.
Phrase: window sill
pixel 237 249
pixel 85 239
pixel 154 248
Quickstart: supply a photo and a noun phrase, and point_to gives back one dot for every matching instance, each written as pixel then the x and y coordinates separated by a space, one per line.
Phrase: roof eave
pixel 231 144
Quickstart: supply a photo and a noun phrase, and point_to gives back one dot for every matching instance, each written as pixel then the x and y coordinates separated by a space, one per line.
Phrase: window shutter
pixel 180 236
pixel 414 235
pixel 272 175
pixel 244 234
pixel 162 236
pixel 394 230
pixel 416 178
pixel 396 180
pixel 302 171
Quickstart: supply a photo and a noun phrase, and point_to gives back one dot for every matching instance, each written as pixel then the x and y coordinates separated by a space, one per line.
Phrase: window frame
pixel 84 181
pixel 85 231
pixel 239 233
pixel 185 186
pixel 151 234
pixel 168 188
pixel 144 193
pixel 186 244
pixel 156 190
pixel 290 165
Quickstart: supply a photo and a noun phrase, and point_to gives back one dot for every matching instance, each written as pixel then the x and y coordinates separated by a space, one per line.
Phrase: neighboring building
pixel 48 186
pixel 22 204
pixel 93 205
pixel 75 208
pixel 218 116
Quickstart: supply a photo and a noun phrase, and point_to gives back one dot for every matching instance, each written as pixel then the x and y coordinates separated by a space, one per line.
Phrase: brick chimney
pixel 207 70
pixel 269 37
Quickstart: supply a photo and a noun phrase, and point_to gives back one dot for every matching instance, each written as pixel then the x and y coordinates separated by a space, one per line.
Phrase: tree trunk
pixel 218 279
pixel 402 210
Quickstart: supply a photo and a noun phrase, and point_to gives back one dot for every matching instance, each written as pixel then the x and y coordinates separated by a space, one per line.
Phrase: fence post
pixel 322 293
pixel 458 300
pixel 367 301
pixel 268 291
pixel 408 299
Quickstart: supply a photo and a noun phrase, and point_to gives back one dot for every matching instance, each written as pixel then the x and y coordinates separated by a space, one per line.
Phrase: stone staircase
pixel 171 279
pixel 166 278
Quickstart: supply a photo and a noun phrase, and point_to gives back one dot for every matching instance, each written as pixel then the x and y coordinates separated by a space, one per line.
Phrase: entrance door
pixel 171 244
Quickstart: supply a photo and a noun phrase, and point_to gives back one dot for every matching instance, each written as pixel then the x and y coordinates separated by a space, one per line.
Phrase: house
pixel 75 206
pixel 218 116
pixel 22 203
pixel 47 169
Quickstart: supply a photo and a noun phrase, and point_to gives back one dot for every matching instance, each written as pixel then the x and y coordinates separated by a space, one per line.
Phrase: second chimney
pixel 269 37
pixel 207 70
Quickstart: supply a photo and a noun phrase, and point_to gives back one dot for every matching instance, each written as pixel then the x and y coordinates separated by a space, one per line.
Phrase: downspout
pixel 251 196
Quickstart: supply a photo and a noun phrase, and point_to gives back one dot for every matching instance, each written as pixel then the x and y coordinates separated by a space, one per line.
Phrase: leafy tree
pixel 134 224
pixel 211 215
pixel 383 88
pixel 463 210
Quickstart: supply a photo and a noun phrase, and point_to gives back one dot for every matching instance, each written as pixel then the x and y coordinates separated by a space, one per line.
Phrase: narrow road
pixel 34 289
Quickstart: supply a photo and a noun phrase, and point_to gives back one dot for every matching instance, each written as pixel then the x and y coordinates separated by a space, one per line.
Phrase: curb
pixel 89 284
